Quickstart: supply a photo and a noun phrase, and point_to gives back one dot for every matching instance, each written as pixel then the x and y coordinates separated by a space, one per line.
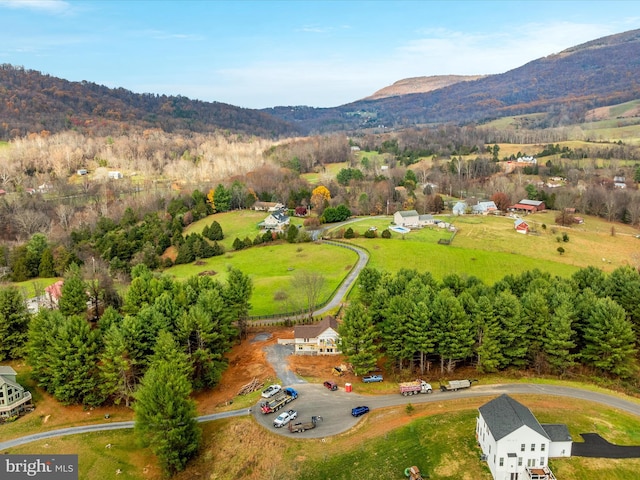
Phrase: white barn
pixel 515 445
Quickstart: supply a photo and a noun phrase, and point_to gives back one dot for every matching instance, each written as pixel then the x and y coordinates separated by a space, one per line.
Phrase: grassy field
pixel 273 269
pixel 330 171
pixel 484 247
pixel 489 247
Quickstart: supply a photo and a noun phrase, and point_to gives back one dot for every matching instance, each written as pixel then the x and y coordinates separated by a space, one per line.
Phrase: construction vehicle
pixel 413 388
pixel 337 371
pixel 301 427
pixel 413 473
pixel 280 400
pixel 455 385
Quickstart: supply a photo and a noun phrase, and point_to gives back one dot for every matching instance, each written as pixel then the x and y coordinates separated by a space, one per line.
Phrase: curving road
pixel 335 408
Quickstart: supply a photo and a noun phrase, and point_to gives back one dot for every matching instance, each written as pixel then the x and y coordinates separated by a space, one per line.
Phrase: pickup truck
pixel 280 400
pixel 372 378
pixel 284 418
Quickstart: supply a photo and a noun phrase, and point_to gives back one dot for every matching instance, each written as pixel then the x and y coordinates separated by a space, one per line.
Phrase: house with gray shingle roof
pixel 14 399
pixel 406 218
pixel 514 444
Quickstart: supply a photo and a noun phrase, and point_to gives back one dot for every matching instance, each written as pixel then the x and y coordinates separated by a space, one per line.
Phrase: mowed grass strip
pixel 273 269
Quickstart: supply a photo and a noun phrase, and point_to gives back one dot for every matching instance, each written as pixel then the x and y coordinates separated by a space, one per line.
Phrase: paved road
pixel 335 408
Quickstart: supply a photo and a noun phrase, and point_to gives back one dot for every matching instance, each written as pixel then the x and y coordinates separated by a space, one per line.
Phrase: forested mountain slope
pixel 31 102
pixel 597 73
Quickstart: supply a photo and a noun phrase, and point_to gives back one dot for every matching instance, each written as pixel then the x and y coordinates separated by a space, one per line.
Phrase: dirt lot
pixel 248 361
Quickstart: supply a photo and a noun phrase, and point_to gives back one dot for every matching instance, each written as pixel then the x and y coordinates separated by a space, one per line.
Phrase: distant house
pixel 301 212
pixel 483 208
pixel 277 221
pixel 619 182
pixel 2 192
pixel 514 444
pixel 528 206
pixel 53 293
pixel 460 208
pixel 14 399
pixel 45 187
pixel 521 226
pixel 115 175
pixel 319 339
pixel 268 206
pixel 406 218
pixel 82 171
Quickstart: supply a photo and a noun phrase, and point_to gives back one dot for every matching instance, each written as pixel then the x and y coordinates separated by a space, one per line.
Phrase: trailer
pixel 301 427
pixel 455 385
pixel 413 388
pixel 285 396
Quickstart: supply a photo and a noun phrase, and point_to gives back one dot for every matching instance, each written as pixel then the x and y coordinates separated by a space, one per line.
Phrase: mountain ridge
pixel 601 72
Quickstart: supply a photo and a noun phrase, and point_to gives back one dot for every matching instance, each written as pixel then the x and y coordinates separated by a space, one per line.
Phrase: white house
pixel 319 339
pixel 276 221
pixel 14 399
pixel 406 218
pixel 515 445
pixel 115 175
pixel 460 208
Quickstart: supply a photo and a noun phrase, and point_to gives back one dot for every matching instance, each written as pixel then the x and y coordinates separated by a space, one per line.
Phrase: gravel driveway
pixel 277 358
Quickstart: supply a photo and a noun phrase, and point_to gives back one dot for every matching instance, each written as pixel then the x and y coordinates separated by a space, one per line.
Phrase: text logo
pixel 44 467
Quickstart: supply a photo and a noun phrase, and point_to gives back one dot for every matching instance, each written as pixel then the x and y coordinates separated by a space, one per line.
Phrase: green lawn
pixel 443 446
pixel 273 269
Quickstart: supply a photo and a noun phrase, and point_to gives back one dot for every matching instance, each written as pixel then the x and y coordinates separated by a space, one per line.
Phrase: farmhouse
pixel 406 218
pixel 268 206
pixel 14 399
pixel 515 445
pixel 460 208
pixel 115 175
pixel 528 206
pixel 319 339
pixel 483 208
pixel 276 221
pixel 521 226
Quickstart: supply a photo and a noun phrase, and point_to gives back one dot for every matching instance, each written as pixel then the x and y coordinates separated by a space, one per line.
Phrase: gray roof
pixel 533 203
pixel 7 370
pixel 425 217
pixel 504 415
pixel 557 432
pixel 408 213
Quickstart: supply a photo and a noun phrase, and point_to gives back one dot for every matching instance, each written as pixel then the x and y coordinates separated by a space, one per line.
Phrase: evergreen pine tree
pixel 358 337
pixel 489 350
pixel 513 331
pixel 609 340
pixel 558 338
pixel 46 268
pixel 74 293
pixel 165 415
pixel 14 324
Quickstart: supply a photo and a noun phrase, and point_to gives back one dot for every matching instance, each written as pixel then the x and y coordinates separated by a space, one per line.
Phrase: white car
pixel 271 391
pixel 284 418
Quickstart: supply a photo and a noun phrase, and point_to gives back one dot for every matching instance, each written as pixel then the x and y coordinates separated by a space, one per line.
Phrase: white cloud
pixel 449 52
pixel 45 6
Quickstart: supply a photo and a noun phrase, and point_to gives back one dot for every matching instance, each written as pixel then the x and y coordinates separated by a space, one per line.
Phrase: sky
pixel 258 54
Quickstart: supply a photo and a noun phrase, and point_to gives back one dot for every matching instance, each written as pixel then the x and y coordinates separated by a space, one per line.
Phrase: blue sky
pixel 258 54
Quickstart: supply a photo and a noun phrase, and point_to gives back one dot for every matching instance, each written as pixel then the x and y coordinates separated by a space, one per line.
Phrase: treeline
pixel 96 362
pixel 32 101
pixel 531 321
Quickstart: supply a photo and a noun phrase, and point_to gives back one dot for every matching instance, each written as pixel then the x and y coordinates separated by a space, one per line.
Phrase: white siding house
pixel 407 218
pixel 319 339
pixel 14 399
pixel 514 444
pixel 276 221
